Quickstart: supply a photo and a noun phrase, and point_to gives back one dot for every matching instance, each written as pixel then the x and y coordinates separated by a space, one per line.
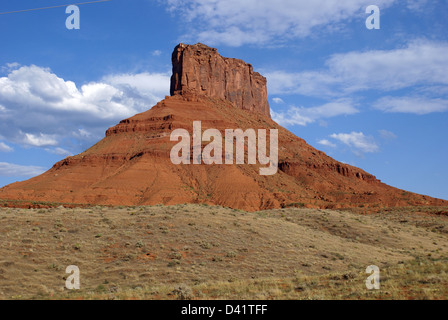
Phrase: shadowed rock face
pixel 200 70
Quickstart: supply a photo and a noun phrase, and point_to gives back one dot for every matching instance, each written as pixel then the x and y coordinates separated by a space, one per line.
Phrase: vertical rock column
pixel 201 70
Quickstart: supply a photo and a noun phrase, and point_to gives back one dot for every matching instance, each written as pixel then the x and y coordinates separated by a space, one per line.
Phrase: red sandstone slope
pixel 132 166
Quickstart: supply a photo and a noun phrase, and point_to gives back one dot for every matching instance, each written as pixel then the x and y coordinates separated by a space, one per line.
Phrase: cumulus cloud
pixel 41 109
pixel 359 142
pixel 420 62
pixel 236 22
pixel 304 116
pixel 415 105
pixel 15 170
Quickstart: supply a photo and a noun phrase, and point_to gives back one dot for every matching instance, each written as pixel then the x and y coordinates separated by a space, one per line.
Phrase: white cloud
pixel 309 83
pixel 236 22
pixel 82 133
pixel 154 86
pixel 357 141
pixel 157 53
pixel 5 148
pixel 8 67
pixel 292 117
pixel 421 62
pixel 303 116
pixel 15 170
pixel 41 109
pixel 40 140
pixel 278 100
pixel 13 65
pixel 326 143
pixel 415 105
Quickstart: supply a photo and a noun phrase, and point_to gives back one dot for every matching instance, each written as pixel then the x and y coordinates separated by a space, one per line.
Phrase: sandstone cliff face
pixel 132 165
pixel 200 69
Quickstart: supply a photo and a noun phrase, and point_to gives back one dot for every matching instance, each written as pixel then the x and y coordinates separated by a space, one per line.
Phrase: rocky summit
pixel 201 70
pixel 132 166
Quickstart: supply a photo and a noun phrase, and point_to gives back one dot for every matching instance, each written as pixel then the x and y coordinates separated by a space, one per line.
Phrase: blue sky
pixel 376 99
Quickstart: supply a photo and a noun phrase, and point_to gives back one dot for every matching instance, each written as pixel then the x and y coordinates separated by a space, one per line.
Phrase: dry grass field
pixel 210 252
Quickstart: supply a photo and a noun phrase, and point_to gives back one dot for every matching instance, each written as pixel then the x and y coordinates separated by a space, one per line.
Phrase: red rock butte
pixel 132 166
pixel 201 70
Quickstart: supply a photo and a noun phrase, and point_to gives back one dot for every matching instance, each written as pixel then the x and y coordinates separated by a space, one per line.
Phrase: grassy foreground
pixel 210 252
